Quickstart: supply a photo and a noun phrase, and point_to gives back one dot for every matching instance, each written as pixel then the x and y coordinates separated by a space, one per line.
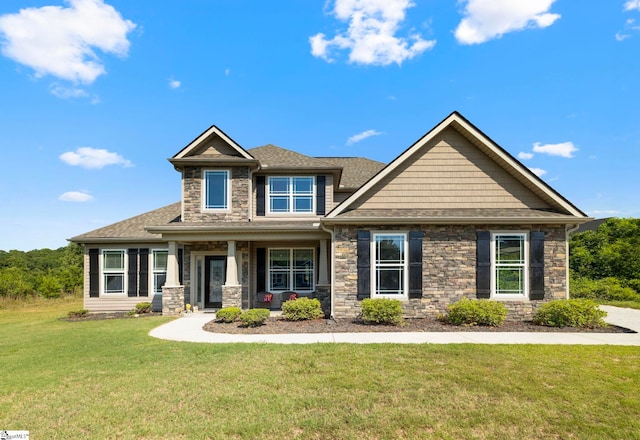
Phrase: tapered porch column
pixel 232 290
pixel 322 266
pixel 172 266
pixel 172 292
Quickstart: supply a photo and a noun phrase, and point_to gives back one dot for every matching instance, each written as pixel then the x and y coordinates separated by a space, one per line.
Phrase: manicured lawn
pixel 109 379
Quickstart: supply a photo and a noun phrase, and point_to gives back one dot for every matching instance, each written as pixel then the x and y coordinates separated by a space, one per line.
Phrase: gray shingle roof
pixel 356 171
pixel 274 157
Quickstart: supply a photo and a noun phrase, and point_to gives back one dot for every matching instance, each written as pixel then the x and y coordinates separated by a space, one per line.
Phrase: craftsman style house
pixel 452 216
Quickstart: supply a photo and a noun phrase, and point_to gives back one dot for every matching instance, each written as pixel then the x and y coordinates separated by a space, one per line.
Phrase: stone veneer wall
pixel 192 196
pixel 449 268
pixel 172 300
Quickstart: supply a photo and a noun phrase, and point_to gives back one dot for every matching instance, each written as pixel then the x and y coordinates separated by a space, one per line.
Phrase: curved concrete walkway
pixel 189 328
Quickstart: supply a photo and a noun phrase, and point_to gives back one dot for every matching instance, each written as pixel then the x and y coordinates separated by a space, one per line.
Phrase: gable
pixel 449 172
pixel 214 146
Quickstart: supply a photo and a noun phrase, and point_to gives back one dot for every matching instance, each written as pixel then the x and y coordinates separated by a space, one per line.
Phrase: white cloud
pixel 174 84
pixel 538 171
pixel 58 41
pixel 371 36
pixel 621 36
pixel 606 212
pixel 488 19
pixel 75 196
pixel 227 72
pixel 88 157
pixel 564 149
pixel 525 156
pixel 362 136
pixel 631 5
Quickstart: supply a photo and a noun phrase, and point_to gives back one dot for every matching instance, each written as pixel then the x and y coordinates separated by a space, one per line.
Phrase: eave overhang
pixel 456 220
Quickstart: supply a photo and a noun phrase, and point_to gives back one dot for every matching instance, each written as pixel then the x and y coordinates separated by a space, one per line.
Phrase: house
pixel 453 216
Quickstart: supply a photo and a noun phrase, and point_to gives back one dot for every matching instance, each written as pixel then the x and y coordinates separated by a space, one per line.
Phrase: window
pixel 159 269
pixel 216 190
pixel 291 194
pixel 509 265
pixel 390 265
pixel 113 271
pixel 291 269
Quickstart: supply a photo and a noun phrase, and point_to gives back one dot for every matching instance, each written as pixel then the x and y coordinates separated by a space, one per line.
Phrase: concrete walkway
pixel 189 328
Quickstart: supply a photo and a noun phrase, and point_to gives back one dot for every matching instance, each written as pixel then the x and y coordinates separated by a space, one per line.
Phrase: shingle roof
pixel 132 229
pixel 272 156
pixel 355 170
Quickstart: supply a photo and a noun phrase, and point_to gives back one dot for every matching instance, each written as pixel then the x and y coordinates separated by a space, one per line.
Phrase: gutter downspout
pixel 333 257
pixel 569 230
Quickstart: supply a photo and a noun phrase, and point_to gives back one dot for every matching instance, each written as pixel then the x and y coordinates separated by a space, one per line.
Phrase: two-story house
pixel 453 216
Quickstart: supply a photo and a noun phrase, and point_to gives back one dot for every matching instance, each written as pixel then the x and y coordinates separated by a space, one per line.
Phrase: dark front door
pixel 214 279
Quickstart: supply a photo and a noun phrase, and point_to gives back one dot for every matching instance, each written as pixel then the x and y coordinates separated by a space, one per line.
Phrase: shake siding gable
pixel 450 173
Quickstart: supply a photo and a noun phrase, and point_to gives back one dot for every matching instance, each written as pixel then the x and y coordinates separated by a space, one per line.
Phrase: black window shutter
pixel 415 264
pixel 180 265
pixel 364 264
pixel 261 265
pixel 94 273
pixel 536 265
pixel 132 289
pixel 483 270
pixel 260 202
pixel 144 272
pixel 321 199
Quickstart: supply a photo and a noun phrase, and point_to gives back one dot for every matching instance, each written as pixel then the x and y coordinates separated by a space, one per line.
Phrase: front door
pixel 214 278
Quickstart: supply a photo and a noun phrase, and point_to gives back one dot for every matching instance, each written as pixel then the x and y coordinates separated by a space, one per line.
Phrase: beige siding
pixel 215 147
pixel 339 197
pixel 450 173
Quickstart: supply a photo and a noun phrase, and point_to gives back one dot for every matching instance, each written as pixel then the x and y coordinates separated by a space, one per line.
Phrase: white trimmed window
pixel 160 258
pixel 113 272
pixel 291 194
pixel 509 255
pixel 390 268
pixel 216 190
pixel 291 269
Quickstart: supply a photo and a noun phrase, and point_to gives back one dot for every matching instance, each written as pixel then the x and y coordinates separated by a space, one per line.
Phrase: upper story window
pixel 390 268
pixel 113 271
pixel 216 190
pixel 509 264
pixel 291 194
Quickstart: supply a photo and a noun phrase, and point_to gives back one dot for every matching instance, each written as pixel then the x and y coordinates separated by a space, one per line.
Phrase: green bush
pixel 143 307
pixel 49 286
pixel 476 312
pixel 381 311
pixel 302 309
pixel 254 317
pixel 228 314
pixel 570 313
pixel 77 313
pixel 605 289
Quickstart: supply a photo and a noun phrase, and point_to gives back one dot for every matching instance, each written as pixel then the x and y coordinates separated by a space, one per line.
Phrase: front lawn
pixel 109 379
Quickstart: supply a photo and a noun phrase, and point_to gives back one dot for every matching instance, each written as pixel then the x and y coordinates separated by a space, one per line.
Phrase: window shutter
pixel 415 264
pixel 132 289
pixel 94 273
pixel 260 202
pixel 180 265
pixel 483 270
pixel 261 264
pixel 321 200
pixel 536 265
pixel 364 264
pixel 144 272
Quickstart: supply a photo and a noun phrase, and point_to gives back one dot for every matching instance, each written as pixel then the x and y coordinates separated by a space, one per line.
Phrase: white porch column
pixel 172 266
pixel 232 265
pixel 322 266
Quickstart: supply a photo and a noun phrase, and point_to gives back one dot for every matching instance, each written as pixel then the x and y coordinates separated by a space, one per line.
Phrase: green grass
pixel 627 304
pixel 109 379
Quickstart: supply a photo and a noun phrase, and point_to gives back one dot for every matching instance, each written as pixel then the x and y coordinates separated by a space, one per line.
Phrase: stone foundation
pixel 172 300
pixel 232 296
pixel 323 294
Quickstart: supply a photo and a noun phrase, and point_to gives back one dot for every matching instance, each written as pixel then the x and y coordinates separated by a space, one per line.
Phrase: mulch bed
pixel 276 325
pixel 110 315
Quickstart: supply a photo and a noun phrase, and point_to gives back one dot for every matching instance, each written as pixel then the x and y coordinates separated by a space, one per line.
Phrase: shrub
pixel 77 313
pixel 49 286
pixel 605 289
pixel 381 311
pixel 302 309
pixel 228 314
pixel 570 313
pixel 143 307
pixel 476 312
pixel 254 317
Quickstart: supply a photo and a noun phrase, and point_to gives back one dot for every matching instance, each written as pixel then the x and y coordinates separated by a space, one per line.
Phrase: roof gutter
pixel 455 220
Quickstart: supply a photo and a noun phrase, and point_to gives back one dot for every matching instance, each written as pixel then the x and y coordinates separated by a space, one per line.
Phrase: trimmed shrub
pixel 606 289
pixel 476 312
pixel 228 314
pixel 254 317
pixel 381 311
pixel 77 313
pixel 143 307
pixel 570 313
pixel 302 309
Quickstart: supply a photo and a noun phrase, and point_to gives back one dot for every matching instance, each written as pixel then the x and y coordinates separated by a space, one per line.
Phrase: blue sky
pixel 96 95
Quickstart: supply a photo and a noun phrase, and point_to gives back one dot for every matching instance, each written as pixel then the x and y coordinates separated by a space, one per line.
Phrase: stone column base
pixel 323 293
pixel 172 300
pixel 232 296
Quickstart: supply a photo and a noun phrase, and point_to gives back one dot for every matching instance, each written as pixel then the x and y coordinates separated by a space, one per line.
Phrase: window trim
pixel 154 271
pixel 205 190
pixel 290 195
pixel 375 264
pixel 524 265
pixel 104 272
pixel 291 270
